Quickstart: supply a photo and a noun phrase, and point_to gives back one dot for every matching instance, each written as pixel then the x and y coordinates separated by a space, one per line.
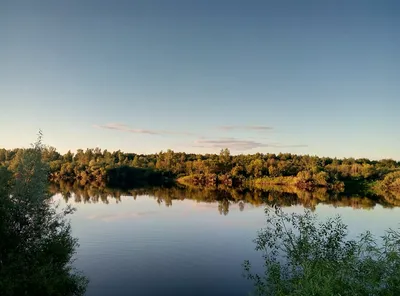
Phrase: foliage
pixel 391 182
pixel 132 176
pixel 304 179
pixel 36 246
pixel 306 257
pixel 303 171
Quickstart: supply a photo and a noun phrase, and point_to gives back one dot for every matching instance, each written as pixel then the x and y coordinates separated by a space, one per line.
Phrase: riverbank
pixel 303 180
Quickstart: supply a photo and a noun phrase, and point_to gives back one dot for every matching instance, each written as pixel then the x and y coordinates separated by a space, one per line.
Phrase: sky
pixel 305 77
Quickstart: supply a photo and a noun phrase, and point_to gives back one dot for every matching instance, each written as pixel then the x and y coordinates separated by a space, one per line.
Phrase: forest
pixel 125 170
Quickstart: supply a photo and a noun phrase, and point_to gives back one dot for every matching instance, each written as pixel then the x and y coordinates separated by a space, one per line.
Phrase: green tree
pixel 36 246
pixel 225 160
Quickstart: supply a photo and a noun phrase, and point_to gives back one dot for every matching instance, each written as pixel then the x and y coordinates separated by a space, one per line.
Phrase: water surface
pixel 147 246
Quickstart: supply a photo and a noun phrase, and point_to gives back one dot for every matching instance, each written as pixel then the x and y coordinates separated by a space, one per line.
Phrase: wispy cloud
pixel 246 127
pixel 239 144
pixel 230 143
pixel 124 128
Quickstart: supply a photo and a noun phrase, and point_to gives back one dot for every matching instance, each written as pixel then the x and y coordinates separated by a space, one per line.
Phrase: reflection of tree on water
pixel 283 196
pixel 391 197
pixel 241 206
pixel 223 206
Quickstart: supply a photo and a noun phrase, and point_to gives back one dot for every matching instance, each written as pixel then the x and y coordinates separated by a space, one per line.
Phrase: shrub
pixel 390 182
pixel 304 257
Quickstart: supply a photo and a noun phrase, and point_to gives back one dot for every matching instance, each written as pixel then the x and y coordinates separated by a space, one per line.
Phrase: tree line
pixel 119 168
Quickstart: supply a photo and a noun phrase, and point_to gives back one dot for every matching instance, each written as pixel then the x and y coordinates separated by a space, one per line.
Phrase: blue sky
pixel 306 77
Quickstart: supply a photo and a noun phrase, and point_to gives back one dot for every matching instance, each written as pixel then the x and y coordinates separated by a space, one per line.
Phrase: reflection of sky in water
pixel 145 248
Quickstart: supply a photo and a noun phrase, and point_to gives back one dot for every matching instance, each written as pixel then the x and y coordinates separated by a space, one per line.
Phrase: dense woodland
pixel 257 170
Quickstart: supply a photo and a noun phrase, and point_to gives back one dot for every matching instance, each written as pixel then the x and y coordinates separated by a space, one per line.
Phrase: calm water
pixel 147 246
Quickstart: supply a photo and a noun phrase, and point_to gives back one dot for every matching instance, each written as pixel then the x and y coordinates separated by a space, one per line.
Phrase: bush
pixel 390 182
pixel 304 257
pixel 36 246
